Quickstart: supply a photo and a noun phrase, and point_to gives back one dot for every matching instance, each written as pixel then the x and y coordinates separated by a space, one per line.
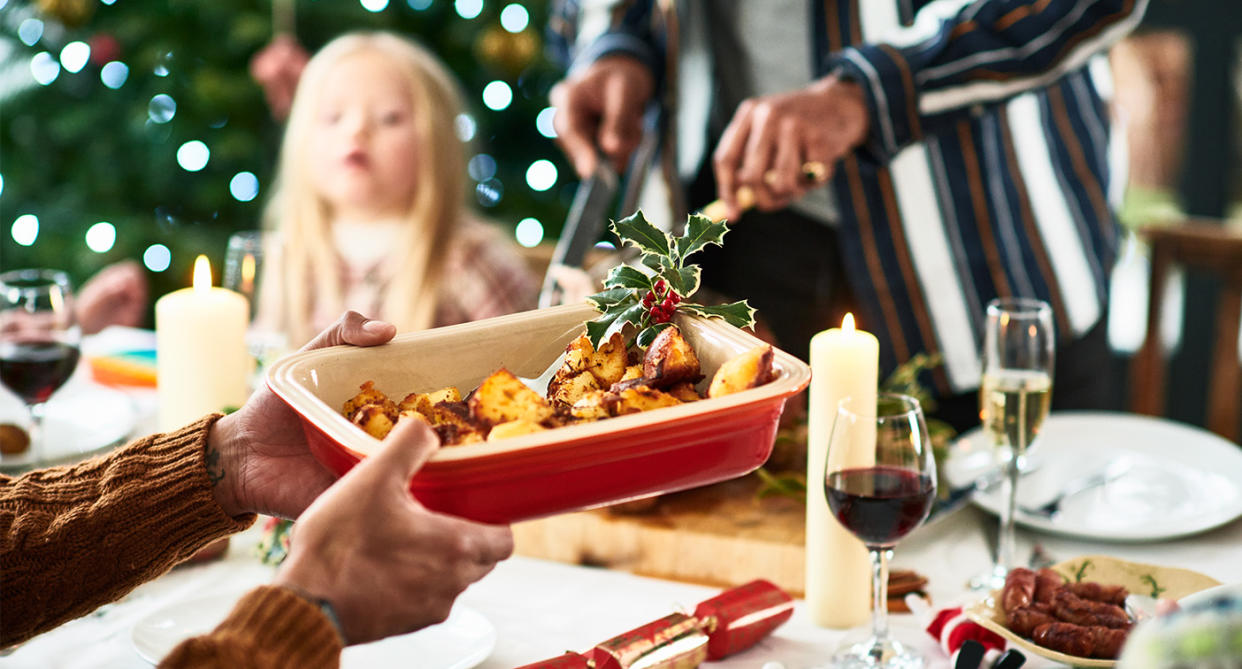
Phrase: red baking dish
pixel 559 470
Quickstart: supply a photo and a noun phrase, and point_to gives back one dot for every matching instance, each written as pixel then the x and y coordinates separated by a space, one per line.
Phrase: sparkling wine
pixel 34 370
pixel 879 505
pixel 1013 405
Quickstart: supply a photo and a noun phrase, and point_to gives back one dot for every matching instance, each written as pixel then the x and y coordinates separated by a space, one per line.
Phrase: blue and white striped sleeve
pixel 584 32
pixel 959 55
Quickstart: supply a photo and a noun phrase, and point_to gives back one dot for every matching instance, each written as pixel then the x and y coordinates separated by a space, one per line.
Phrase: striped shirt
pixel 987 168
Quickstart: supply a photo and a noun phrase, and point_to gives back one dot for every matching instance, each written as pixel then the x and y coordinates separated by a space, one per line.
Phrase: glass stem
pixel 1005 539
pixel 36 432
pixel 879 591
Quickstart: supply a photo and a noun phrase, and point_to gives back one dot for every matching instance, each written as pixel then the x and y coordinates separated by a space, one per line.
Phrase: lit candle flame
pixel 247 275
pixel 202 274
pixel 847 323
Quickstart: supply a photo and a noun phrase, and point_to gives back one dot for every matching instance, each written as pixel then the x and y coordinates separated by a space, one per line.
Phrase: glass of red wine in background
pixel 880 481
pixel 38 340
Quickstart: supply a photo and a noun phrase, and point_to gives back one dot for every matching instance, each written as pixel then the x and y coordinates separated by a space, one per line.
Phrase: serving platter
pixel 564 469
pixel 1138 578
pixel 81 419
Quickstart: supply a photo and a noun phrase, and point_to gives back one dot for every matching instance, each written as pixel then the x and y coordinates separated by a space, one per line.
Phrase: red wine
pixel 879 505
pixel 34 370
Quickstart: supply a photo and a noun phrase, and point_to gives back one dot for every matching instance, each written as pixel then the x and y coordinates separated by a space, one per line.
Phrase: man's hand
pixel 770 138
pixel 602 106
pixel 258 456
pixel 385 563
pixel 116 295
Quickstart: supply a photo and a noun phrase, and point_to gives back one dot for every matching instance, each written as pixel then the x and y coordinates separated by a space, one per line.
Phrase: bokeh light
pixel 543 122
pixel 25 229
pixel 44 68
pixel 541 175
pixel 101 237
pixel 497 95
pixel 157 257
pixel 514 18
pixel 468 9
pixel 244 186
pixel 374 5
pixel 162 108
pixel 193 156
pixel 488 193
pixel 529 232
pixel 75 56
pixel 481 167
pixel 30 31
pixel 114 74
pixel 418 5
pixel 465 126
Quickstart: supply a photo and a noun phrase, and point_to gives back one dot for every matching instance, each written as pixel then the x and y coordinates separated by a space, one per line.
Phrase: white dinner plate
pixel 82 419
pixel 1228 590
pixel 1181 480
pixel 461 642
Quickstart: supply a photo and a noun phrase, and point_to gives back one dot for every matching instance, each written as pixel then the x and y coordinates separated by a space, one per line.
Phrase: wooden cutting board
pixel 719 535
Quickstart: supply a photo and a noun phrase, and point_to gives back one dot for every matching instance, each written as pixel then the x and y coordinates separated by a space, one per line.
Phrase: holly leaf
pixel 648 335
pixel 637 231
pixel 603 301
pixel 737 314
pixel 614 320
pixel 684 280
pixel 700 231
pixel 625 276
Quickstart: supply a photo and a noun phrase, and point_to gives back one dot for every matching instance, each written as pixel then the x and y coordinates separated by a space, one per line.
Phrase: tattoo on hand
pixel 215 467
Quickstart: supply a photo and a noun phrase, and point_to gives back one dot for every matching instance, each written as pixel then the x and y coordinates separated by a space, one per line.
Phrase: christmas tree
pixel 133 128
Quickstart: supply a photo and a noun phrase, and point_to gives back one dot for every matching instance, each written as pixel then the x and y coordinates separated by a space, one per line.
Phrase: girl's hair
pixel 311 271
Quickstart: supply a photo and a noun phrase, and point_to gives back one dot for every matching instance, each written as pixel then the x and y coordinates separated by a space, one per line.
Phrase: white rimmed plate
pixel 82 419
pixel 461 642
pixel 1182 480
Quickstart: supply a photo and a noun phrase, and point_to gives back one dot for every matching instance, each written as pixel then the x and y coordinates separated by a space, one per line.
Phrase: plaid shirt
pixel 987 169
pixel 483 277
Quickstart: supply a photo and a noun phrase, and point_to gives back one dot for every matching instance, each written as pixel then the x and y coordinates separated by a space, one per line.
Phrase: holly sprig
pixel 647 295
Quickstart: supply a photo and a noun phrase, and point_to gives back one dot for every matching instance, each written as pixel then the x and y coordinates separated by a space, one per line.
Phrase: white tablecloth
pixel 541 609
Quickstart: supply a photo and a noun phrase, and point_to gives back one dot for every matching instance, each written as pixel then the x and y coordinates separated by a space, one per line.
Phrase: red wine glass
pixel 38 341
pixel 880 481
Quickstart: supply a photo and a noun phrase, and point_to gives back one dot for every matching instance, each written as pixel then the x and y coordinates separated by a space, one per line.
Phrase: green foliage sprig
pixel 646 296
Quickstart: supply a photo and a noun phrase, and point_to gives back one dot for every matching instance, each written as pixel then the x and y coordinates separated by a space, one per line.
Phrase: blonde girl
pixel 369 200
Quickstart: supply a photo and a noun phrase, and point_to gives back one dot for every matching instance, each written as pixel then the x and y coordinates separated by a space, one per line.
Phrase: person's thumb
pixel 404 451
pixel 353 328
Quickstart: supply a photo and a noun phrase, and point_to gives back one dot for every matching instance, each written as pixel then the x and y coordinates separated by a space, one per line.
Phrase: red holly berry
pixel 672 295
pixel 660 285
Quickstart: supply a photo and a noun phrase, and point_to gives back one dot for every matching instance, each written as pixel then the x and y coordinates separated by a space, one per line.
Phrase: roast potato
pixel 748 370
pixel 670 360
pixel 502 397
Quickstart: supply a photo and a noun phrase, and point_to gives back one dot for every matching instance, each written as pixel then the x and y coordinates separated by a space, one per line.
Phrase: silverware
pixel 582 228
pixel 1077 486
pixel 969 655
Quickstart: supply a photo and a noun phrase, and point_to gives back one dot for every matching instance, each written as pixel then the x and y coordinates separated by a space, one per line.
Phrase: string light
pixel 44 68
pixel 25 229
pixel 75 56
pixel 543 122
pixel 101 237
pixel 244 186
pixel 468 9
pixel 497 95
pixel 157 257
pixel 114 74
pixel 541 175
pixel 162 108
pixel 529 232
pixel 193 156
pixel 514 18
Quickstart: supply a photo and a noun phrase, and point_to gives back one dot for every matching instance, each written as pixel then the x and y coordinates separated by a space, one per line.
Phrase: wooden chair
pixel 1212 249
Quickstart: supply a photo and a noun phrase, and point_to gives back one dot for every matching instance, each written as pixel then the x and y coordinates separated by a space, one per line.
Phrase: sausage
pixel 1065 638
pixel 1023 621
pixel 1019 589
pixel 1109 594
pixel 1108 642
pixel 1071 608
pixel 1047 583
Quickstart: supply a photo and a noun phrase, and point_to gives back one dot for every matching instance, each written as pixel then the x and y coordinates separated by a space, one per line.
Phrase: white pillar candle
pixel 202 364
pixel 844 363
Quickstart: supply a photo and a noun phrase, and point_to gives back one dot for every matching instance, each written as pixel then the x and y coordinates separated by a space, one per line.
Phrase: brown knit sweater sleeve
pixel 269 628
pixel 75 537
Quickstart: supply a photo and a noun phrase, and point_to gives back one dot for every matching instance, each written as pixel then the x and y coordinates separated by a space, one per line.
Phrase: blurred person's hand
pixel 385 563
pixel 259 454
pixel 277 67
pixel 116 295
pixel 601 109
pixel 771 138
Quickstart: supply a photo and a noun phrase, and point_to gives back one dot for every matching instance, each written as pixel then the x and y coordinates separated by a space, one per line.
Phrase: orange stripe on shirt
pixel 1091 183
pixel 979 202
pixel 866 233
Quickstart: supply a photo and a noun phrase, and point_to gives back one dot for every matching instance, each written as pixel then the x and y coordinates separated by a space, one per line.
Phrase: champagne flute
pixel 243 273
pixel 38 341
pixel 1019 350
pixel 880 481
